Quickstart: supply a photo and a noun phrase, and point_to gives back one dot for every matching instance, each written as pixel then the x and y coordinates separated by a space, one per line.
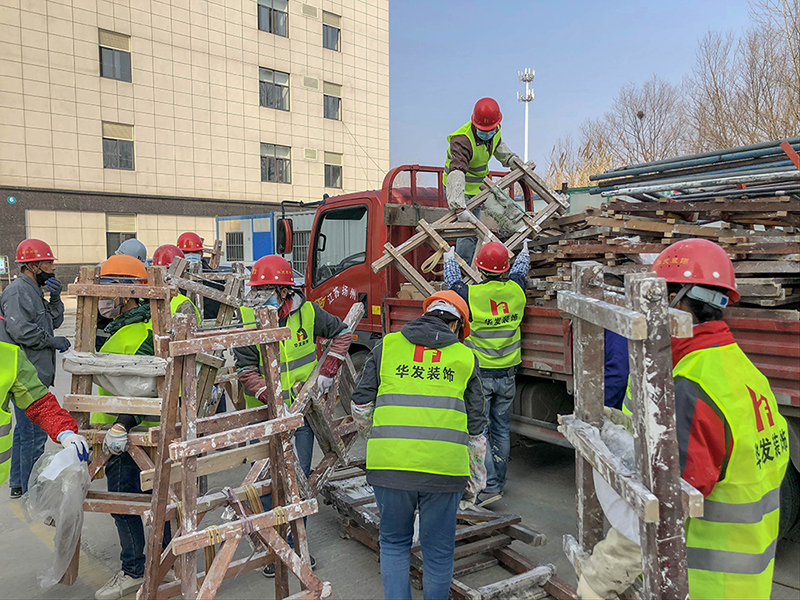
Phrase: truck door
pixel 339 271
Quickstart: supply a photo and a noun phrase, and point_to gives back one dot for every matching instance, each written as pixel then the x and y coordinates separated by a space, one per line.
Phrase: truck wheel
pixel 358 358
pixel 790 501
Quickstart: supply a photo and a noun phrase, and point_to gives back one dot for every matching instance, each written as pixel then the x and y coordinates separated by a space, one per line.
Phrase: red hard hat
pixel 493 257
pixel 454 299
pixel 697 261
pixel 33 250
pixel 164 255
pixel 271 270
pixel 486 115
pixel 190 242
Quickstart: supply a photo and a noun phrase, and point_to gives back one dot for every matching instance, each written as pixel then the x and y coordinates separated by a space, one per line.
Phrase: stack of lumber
pixel 758 225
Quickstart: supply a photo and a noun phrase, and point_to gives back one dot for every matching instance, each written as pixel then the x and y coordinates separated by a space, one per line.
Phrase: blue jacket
pixel 616 369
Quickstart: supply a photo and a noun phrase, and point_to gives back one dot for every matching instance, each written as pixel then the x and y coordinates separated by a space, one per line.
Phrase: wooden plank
pixel 205 291
pixel 219 567
pixel 519 563
pixel 656 440
pixel 408 271
pixel 225 439
pixel 236 568
pixel 212 463
pixel 437 242
pixel 119 290
pixel 235 339
pixel 517 586
pixel 625 322
pixel 526 535
pixel 112 404
pixel 261 522
pixel 211 501
pixel 587 442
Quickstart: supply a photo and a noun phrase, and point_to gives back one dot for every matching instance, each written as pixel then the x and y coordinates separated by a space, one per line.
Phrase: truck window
pixel 340 242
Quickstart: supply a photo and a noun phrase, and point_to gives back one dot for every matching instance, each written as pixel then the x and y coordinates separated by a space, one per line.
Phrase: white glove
pixel 466 216
pixel 70 438
pixel 324 383
pixel 450 254
pixel 525 247
pixel 585 591
pixel 116 440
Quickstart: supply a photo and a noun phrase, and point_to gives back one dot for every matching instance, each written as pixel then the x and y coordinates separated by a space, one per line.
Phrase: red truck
pixel 349 233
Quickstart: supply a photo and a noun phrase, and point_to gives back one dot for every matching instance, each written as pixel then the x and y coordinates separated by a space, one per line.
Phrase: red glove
pixel 47 413
pixel 253 382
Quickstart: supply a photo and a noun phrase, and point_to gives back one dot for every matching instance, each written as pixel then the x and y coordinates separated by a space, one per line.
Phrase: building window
pixel 333 170
pixel 276 163
pixel 234 246
pixel 332 99
pixel 331 31
pixel 119 227
pixel 118 146
pixel 273 89
pixel 115 55
pixel 273 16
pixel 300 240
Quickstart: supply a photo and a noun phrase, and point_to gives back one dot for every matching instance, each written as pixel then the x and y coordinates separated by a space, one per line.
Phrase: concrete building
pixel 122 118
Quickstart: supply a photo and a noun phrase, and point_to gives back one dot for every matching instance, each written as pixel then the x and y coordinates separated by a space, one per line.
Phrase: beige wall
pixel 80 237
pixel 193 100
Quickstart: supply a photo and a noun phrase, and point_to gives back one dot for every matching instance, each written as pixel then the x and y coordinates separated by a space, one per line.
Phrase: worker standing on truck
pixel 131 333
pixel 427 427
pixel 732 442
pixel 30 322
pixel 191 245
pixel 272 284
pixel 470 147
pixel 497 307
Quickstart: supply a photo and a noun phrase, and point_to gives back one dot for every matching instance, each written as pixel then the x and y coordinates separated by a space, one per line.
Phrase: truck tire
pixel 359 358
pixel 790 501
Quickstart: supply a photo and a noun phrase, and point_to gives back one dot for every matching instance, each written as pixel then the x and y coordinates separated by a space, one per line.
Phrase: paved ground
pixel 541 490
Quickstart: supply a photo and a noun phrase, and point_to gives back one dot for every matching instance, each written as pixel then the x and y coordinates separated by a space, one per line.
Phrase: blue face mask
pixel 194 257
pixel 485 136
pixel 273 301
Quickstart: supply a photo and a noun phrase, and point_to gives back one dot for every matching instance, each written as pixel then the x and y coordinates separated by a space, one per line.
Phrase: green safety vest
pixel 479 165
pixel 8 374
pixel 298 353
pixel 126 340
pixel 180 299
pixel 731 548
pixel 497 308
pixel 422 427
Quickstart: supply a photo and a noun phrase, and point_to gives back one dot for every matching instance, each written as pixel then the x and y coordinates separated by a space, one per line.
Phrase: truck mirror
pixel 322 241
pixel 283 236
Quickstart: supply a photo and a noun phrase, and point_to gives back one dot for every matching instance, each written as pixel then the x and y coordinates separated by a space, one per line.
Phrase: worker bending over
pixel 427 426
pixel 30 323
pixel 19 382
pixel 469 149
pixel 272 284
pixel 497 307
pixel 732 443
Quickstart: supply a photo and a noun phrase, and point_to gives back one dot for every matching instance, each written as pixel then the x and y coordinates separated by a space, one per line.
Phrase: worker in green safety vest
pixel 272 284
pixel 131 333
pixel 497 306
pixel 470 147
pixel 163 257
pixel 20 384
pixel 420 398
pixel 732 443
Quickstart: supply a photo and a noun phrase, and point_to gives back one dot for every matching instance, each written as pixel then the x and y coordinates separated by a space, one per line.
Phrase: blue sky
pixel 445 54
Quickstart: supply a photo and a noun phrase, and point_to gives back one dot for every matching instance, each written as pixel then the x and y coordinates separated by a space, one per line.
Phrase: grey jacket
pixel 29 322
pixel 431 332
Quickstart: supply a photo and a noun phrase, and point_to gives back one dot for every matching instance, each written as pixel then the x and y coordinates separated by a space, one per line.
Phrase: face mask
pixel 108 308
pixel 193 257
pixel 263 297
pixel 273 302
pixel 42 277
pixel 485 136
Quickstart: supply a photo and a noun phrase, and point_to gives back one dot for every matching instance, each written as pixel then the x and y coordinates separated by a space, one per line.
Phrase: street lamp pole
pixel 526 76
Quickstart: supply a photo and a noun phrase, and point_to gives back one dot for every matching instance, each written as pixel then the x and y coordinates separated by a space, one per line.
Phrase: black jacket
pixel 431 332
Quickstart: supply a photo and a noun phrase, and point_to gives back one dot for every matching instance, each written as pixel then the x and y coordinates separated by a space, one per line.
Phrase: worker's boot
pixel 16 493
pixel 269 570
pixel 487 498
pixel 118 586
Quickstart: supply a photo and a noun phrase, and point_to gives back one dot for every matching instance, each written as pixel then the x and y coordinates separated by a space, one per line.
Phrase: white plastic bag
pixel 57 488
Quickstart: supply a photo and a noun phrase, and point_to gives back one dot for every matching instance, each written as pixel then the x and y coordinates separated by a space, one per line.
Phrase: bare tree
pixel 572 163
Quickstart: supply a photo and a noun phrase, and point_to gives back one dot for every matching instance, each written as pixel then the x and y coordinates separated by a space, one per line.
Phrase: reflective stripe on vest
pixel 176 302
pixel 126 340
pixel 298 353
pixel 497 308
pixel 8 374
pixel 730 549
pixel 420 420
pixel 479 165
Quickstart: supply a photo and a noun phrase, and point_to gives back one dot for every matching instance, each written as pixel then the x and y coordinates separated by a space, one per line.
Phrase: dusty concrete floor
pixel 540 489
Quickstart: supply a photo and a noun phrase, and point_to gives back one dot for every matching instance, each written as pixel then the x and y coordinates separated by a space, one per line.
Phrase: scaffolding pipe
pixel 723 181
